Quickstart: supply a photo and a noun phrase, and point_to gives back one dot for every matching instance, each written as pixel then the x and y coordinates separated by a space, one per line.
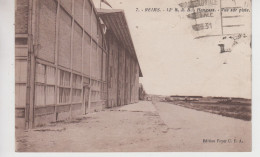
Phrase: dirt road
pixel 202 131
pixel 140 127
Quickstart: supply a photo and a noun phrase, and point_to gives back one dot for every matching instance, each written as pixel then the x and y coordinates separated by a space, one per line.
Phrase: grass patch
pixel 233 110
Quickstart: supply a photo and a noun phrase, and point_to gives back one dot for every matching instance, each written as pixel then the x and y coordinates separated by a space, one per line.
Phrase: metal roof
pixel 115 20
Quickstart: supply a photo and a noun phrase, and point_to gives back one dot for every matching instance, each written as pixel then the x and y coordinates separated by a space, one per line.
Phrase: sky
pixel 174 63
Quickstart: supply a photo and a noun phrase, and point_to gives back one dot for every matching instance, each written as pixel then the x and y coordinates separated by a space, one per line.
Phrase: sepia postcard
pixel 133 75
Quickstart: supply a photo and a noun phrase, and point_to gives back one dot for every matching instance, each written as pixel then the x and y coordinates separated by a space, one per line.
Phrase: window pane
pixel 50 78
pixel 76 81
pixel 64 78
pixel 76 95
pixel 64 95
pixel 50 95
pixel 40 73
pixel 39 95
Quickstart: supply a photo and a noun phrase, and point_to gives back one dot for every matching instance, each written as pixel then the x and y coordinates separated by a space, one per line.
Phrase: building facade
pixel 70 61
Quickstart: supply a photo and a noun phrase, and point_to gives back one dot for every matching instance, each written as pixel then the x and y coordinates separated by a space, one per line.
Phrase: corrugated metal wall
pixel 77 48
pixel 112 72
pixel 21 16
pixel 121 77
pixel 123 74
pixel 136 96
pixel 67 4
pixel 71 54
pixel 132 80
pixel 78 11
pixel 86 55
pixel 64 39
pixel 47 23
pixel 127 78
pixel 67 58
pixel 87 17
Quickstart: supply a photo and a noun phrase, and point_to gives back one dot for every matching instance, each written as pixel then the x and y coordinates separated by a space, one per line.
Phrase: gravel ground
pixel 141 127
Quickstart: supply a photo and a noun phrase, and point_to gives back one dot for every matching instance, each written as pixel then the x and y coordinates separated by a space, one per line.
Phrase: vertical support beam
pixel 118 81
pixel 102 64
pixel 71 53
pixel 89 98
pixel 91 45
pixel 32 89
pixel 130 58
pixel 32 38
pixel 125 92
pixel 45 81
pixel 106 73
pixel 108 65
pixel 56 96
pixel 133 79
pixel 102 83
pixel 82 65
pixel 28 120
pixel 96 71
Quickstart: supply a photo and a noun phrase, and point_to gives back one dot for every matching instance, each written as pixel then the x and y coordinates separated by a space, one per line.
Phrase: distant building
pixel 184 98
